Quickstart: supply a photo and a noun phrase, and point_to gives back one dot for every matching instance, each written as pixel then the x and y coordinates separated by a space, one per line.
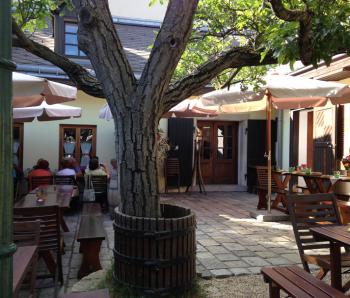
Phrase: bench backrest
pixel 26 232
pixel 308 211
pixel 36 181
pixel 49 217
pixel 64 180
pixel 262 175
pixel 172 167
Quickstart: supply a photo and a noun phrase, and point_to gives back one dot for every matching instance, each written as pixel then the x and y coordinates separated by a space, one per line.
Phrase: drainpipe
pixel 7 247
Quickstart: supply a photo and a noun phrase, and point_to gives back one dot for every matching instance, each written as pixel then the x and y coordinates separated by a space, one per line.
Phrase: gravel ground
pixel 240 286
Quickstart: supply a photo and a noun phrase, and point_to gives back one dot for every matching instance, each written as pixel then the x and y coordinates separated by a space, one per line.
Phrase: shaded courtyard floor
pixel 229 241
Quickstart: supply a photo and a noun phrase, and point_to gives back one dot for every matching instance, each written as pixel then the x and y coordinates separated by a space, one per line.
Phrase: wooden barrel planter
pixel 156 256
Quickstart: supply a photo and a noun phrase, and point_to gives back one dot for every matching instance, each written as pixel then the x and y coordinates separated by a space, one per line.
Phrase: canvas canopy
pixel 46 112
pixel 28 91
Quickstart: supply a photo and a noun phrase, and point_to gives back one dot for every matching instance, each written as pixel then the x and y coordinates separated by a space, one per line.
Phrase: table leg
pixel 64 224
pixel 335 258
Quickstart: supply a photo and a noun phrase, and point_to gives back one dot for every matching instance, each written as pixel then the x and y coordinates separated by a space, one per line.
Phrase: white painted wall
pixel 302 158
pixel 137 9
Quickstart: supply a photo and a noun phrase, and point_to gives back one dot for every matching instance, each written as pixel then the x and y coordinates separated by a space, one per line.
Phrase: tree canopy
pixel 284 31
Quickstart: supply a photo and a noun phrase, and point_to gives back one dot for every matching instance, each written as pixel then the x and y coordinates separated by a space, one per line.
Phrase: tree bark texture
pixel 136 106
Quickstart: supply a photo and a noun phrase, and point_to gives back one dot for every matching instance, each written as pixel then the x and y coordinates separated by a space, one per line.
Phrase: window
pixel 78 141
pixel 17 136
pixel 71 40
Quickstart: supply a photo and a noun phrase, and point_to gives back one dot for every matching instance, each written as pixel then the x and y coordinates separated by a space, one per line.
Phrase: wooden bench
pixel 103 293
pixel 296 282
pixel 92 209
pixel 24 259
pixel 91 234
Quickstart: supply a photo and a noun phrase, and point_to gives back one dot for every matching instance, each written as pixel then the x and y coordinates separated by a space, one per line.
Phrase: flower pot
pixel 156 256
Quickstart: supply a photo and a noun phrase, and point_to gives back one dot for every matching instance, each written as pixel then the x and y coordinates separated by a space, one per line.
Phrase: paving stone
pixel 213 264
pixel 256 248
pixel 217 249
pixel 255 261
pixel 204 255
pixel 208 242
pixel 233 246
pixel 278 261
pixel 245 253
pixel 226 257
pixel 255 270
pixel 236 264
pixel 266 254
pixel 292 257
pixel 221 273
pixel 239 271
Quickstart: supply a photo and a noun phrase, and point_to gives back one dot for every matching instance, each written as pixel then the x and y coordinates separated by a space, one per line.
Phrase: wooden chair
pixel 50 235
pixel 36 181
pixel 100 186
pixel 172 170
pixel 26 235
pixel 308 211
pixel 64 180
pixel 262 176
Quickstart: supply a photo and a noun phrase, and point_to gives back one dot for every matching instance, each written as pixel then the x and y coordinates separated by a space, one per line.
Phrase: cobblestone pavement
pixel 229 242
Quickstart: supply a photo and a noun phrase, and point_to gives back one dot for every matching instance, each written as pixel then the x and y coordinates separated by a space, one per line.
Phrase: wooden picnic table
pixel 60 195
pixel 337 236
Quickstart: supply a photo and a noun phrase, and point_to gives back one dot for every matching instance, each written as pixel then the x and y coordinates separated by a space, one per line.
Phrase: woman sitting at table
pixel 67 168
pixel 94 168
pixel 42 170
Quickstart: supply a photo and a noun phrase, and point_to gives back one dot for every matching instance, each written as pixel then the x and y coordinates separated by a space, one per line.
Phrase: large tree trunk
pixel 136 149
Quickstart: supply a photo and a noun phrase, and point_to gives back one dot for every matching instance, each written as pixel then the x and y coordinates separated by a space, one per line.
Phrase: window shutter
pixel 340 133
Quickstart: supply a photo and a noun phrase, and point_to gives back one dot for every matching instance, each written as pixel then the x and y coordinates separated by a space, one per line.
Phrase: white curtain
pixel 85 150
pixel 15 147
pixel 68 149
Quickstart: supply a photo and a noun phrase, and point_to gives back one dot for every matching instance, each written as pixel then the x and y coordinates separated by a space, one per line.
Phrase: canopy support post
pixel 268 155
pixel 7 247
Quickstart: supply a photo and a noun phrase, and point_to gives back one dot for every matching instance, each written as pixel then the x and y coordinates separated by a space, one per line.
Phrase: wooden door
pixel 324 140
pixel 219 152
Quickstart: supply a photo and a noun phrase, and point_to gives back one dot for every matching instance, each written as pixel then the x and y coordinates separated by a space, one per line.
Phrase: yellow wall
pixel 41 139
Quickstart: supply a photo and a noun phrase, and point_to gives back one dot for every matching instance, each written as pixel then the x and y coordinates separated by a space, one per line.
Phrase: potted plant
pixel 346 164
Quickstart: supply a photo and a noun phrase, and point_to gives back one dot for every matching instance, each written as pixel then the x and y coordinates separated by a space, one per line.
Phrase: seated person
pixel 74 165
pixel 42 170
pixel 101 165
pixel 67 168
pixel 94 168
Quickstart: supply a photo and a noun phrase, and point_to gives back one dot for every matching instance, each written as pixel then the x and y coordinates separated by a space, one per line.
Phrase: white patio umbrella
pixel 187 108
pixel 46 112
pixel 28 91
pixel 282 92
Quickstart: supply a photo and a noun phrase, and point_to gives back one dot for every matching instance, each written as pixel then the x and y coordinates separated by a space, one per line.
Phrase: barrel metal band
pixel 7 250
pixel 157 235
pixel 157 263
pixel 7 64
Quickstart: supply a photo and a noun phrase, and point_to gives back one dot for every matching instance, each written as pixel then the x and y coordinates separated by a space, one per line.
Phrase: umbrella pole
pixel 268 137
pixel 7 246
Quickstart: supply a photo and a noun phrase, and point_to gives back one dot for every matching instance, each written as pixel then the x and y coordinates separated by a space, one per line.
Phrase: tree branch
pixel 168 47
pixel 98 38
pixel 304 17
pixel 78 74
pixel 234 58
pixel 232 76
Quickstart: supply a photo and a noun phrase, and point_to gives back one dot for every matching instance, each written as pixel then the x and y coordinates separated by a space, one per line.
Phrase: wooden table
pixel 280 183
pixel 337 236
pixel 60 195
